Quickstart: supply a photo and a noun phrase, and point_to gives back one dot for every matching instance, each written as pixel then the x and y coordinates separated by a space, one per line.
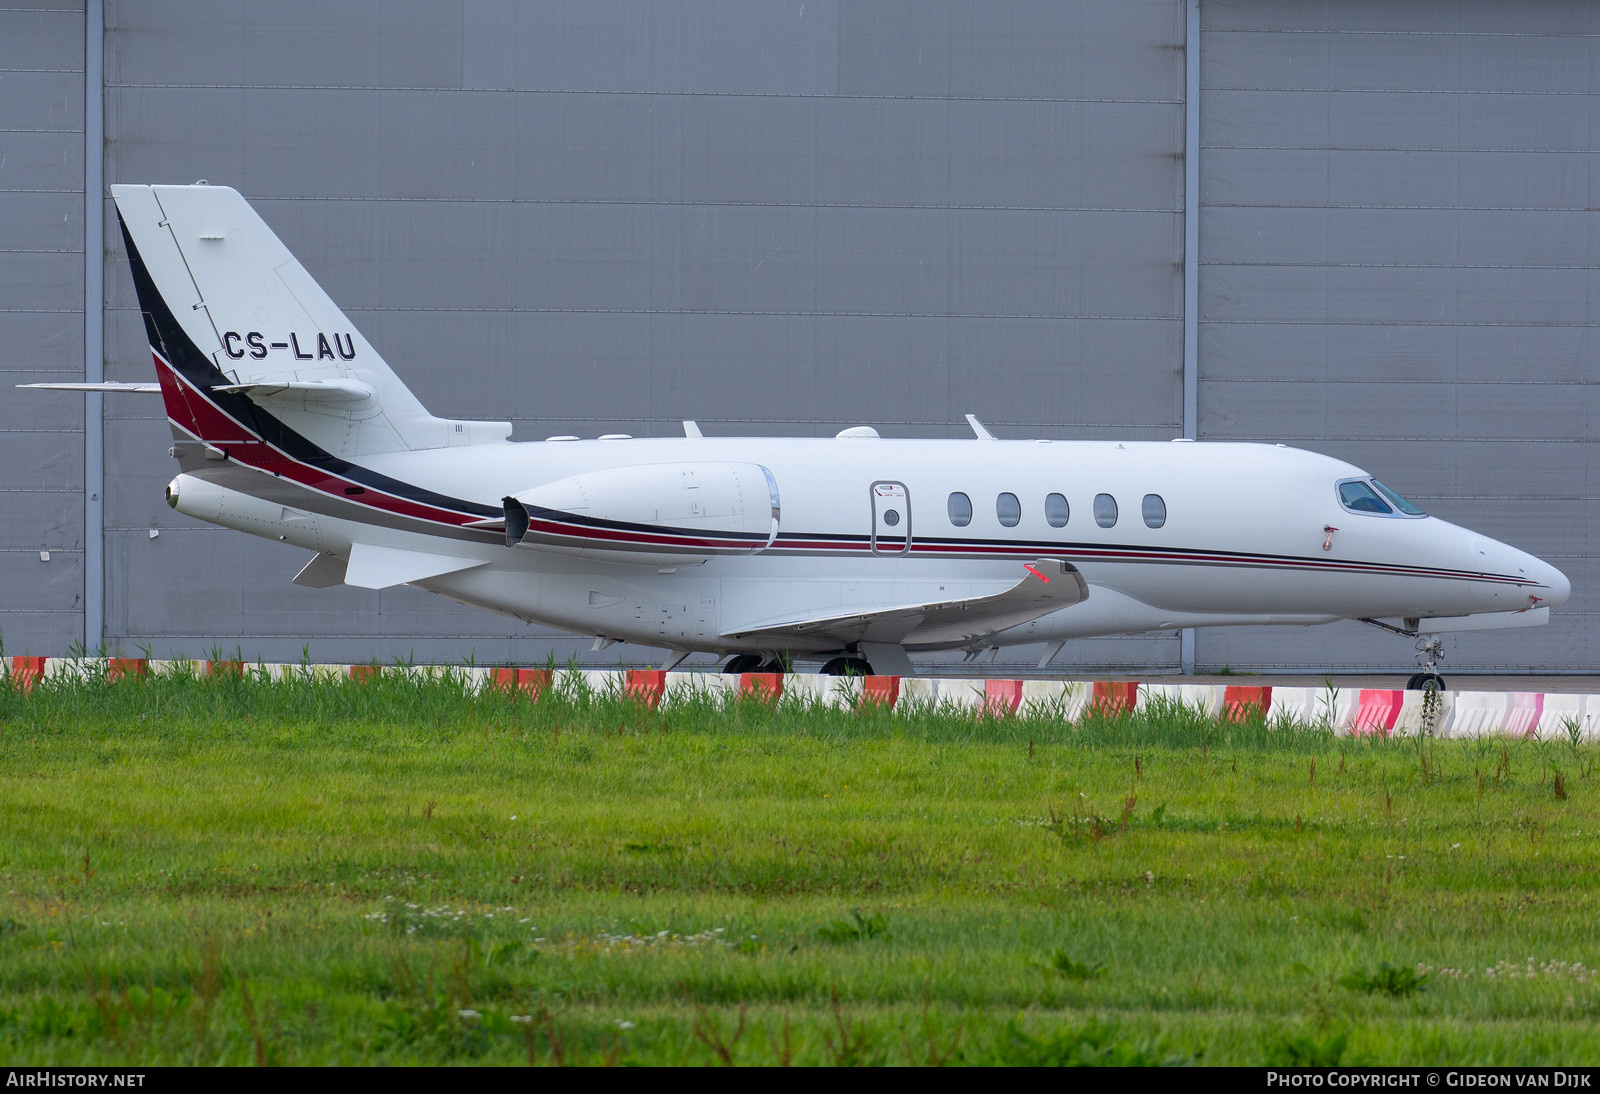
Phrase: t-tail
pixel 250 351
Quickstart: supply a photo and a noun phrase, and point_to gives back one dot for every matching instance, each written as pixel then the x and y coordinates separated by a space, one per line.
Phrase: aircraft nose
pixel 1535 577
pixel 1553 579
pixel 1553 587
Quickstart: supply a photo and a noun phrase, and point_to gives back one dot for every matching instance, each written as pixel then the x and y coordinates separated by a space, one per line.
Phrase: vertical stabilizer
pixel 246 342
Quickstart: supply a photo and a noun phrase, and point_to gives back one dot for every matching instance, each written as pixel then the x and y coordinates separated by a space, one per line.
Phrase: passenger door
pixel 891 518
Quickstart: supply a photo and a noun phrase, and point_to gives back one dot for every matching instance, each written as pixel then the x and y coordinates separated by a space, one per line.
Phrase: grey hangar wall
pixel 794 217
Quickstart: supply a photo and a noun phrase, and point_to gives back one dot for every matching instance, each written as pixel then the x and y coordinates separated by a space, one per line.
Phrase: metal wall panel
pixel 1397 268
pixel 606 215
pixel 774 217
pixel 41 326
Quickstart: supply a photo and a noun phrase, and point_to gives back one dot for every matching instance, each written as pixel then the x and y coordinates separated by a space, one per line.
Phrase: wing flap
pixel 1047 585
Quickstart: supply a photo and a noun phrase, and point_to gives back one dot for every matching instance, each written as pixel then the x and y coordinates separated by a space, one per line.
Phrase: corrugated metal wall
pixel 1398 242
pixel 592 217
pixel 41 327
pixel 786 217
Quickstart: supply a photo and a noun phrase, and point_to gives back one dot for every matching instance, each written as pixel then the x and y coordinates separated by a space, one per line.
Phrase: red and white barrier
pixel 1347 711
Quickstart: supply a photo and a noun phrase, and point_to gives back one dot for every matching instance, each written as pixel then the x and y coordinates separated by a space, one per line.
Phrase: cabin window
pixel 1008 509
pixel 960 509
pixel 1055 510
pixel 1406 506
pixel 1358 497
pixel 1154 511
pixel 1105 510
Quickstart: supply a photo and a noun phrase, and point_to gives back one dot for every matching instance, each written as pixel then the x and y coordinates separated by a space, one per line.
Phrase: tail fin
pixel 248 345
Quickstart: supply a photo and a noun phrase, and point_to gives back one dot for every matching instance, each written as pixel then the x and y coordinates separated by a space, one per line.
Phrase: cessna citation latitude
pixel 854 551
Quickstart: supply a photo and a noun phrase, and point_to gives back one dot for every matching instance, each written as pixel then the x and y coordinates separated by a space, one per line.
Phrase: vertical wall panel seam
pixel 1191 256
pixel 94 584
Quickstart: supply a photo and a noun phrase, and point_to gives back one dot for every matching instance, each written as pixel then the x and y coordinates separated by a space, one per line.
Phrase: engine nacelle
pixel 675 511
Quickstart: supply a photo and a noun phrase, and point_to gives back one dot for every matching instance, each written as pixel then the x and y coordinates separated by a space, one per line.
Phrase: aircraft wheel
pixel 847 666
pixel 1422 681
pixel 743 662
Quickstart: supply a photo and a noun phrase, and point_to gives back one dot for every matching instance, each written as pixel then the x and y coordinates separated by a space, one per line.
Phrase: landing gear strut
pixel 1430 651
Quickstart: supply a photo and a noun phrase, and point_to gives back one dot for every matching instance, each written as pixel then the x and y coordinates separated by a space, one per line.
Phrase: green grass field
pixel 199 871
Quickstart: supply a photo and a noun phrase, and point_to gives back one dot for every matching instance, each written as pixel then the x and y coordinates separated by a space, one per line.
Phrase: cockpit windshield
pixel 1409 508
pixel 1371 496
pixel 1361 498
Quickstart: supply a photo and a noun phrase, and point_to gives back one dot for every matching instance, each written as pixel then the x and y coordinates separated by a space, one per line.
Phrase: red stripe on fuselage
pixel 216 427
pixel 191 410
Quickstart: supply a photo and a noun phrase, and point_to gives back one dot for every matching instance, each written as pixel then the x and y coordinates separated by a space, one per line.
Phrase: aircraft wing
pixel 1047 585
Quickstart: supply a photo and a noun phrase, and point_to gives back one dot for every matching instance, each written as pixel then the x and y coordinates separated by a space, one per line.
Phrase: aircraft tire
pixel 1421 681
pixel 847 666
pixel 742 663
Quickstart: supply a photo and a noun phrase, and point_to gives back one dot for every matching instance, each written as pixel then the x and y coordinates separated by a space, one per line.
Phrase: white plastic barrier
pixel 1524 711
pixel 602 681
pixel 1410 721
pixel 1478 713
pixel 918 693
pixel 813 689
pixel 1205 698
pixel 688 686
pixel 961 692
pixel 1566 716
pixel 1334 708
pixel 1064 699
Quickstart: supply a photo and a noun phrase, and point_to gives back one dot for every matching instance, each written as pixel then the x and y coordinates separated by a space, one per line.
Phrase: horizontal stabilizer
pixel 1048 585
pixel 109 386
pixel 372 567
pixel 321 391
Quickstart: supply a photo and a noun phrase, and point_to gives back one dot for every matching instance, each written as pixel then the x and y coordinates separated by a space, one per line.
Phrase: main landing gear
pixel 755 662
pixel 752 662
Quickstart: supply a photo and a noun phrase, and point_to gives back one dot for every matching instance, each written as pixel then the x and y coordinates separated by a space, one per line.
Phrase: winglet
pixel 979 429
pixel 691 429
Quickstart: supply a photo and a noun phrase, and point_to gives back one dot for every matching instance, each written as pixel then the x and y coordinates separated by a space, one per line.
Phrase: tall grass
pixel 398 696
pixel 200 869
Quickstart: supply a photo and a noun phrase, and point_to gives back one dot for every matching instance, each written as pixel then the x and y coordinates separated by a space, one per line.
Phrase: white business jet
pixel 855 550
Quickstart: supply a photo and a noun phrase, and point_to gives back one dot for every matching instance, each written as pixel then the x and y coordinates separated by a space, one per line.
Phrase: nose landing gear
pixel 1430 651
